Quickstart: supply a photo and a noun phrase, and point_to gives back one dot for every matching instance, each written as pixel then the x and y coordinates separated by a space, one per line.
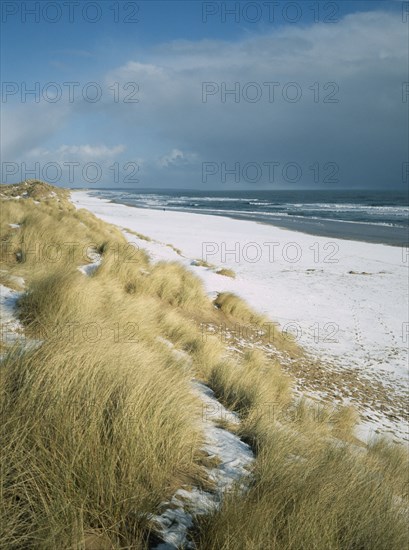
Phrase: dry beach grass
pixel 100 424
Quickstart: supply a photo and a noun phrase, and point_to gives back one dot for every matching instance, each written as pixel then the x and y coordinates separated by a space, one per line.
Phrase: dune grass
pixel 94 438
pixel 236 308
pixel 252 383
pixel 226 272
pixel 310 493
pixel 101 426
pixel 202 263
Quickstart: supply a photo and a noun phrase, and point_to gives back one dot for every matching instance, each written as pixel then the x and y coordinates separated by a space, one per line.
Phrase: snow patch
pixel 88 269
pixel 234 459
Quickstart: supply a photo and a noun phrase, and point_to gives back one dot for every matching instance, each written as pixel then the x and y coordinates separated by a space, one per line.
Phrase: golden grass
pixel 311 488
pixel 172 283
pixel 236 308
pixel 252 384
pixel 33 189
pixel 139 235
pixel 95 436
pixel 52 235
pixel 175 249
pixel 309 493
pixel 203 263
pixel 226 272
pixel 100 424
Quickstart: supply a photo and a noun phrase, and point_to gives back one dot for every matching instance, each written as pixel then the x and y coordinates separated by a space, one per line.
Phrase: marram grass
pixel 100 424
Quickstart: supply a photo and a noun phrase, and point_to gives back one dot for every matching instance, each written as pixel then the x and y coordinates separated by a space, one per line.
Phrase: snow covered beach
pixel 345 301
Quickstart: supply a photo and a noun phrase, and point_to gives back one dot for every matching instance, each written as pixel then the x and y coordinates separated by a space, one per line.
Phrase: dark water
pixel 371 216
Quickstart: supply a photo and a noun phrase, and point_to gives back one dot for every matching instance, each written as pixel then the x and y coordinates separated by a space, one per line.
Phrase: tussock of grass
pixel 124 263
pixel 236 308
pixel 101 423
pixel 175 285
pixel 251 384
pixel 139 235
pixel 226 272
pixel 202 263
pixel 33 189
pixel 104 433
pixel 308 493
pixel 51 236
pixel 310 489
pixel 240 317
pixel 175 249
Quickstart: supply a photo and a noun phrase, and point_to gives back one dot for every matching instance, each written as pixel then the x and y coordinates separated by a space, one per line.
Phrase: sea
pixel 370 216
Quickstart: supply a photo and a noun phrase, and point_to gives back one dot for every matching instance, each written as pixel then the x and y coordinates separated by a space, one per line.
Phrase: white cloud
pixel 177 158
pixel 90 151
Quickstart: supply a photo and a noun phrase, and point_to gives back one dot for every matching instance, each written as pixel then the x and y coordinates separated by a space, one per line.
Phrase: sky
pixel 206 95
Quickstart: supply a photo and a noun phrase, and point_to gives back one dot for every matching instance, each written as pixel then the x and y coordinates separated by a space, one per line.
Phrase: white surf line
pixel 234 465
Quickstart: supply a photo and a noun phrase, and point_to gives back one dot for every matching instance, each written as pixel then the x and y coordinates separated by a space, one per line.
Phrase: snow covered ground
pixel 346 301
pixel 11 328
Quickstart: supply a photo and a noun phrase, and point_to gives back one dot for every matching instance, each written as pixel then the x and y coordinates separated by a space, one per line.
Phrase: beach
pixel 345 302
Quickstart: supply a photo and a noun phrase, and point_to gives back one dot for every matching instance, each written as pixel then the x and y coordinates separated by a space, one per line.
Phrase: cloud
pixel 92 152
pixel 177 158
pixel 360 61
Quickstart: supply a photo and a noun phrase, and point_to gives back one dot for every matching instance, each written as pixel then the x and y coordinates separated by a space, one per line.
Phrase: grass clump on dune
pixel 177 286
pixel 309 493
pixel 202 263
pixel 251 383
pixel 240 317
pixel 226 272
pixel 311 488
pixel 51 236
pixel 94 438
pixel 236 308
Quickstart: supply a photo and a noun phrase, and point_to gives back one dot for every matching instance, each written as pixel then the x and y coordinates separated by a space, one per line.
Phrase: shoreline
pixel 347 290
pixel 365 232
pixel 368 232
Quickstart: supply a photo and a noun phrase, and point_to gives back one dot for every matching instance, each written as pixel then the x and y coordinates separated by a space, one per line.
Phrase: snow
pixel 346 301
pixel 88 269
pixel 234 464
pixel 12 331
pixel 10 324
pixel 235 456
